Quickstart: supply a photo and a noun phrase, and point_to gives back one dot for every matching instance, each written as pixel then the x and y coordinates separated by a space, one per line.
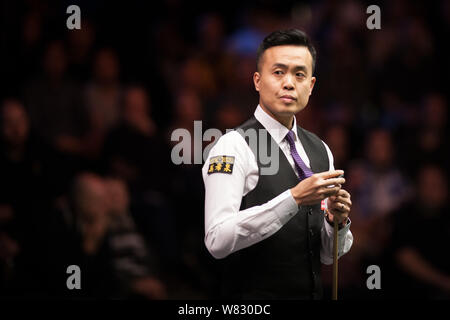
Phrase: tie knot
pixel 290 137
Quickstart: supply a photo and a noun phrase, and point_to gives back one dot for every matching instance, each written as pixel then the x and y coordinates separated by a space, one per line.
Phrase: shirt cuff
pixel 342 232
pixel 286 207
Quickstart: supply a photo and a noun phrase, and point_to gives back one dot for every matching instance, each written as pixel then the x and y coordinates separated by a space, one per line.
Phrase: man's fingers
pixel 340 203
pixel 344 193
pixel 341 199
pixel 330 174
pixel 333 181
pixel 328 192
pixel 340 207
pixel 348 202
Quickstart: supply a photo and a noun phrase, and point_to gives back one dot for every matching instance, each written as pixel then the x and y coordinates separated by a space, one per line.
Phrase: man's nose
pixel 288 82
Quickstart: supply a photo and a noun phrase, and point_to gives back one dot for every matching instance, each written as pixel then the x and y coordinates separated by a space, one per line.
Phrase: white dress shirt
pixel 227 229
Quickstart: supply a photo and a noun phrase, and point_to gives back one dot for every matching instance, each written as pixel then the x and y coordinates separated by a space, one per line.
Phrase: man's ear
pixel 256 80
pixel 313 81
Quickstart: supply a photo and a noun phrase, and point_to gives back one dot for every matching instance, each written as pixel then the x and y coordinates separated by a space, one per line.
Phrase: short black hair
pixel 286 37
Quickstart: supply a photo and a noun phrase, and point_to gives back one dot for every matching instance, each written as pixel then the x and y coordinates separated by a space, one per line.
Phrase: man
pixel 423 271
pixel 270 230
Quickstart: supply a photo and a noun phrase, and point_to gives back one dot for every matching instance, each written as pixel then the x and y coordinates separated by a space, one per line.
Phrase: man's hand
pixel 150 287
pixel 319 186
pixel 339 206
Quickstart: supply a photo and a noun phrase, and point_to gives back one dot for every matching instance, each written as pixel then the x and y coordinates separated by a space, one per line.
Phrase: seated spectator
pixel 421 231
pixel 102 100
pixel 135 153
pixel 103 242
pixel 130 146
pixel 54 103
pixel 29 182
pixel 134 263
pixel 378 188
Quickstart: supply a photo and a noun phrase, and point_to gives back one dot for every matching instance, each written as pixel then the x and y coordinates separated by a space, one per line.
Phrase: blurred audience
pixel 423 267
pixel 54 102
pixel 29 181
pixel 136 266
pixel 378 187
pixel 135 152
pixel 337 139
pixel 101 238
pixel 102 97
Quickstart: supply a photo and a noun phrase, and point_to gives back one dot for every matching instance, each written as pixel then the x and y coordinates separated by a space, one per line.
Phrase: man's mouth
pixel 287 98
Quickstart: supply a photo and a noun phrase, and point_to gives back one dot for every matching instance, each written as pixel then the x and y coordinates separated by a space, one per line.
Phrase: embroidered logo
pixel 223 164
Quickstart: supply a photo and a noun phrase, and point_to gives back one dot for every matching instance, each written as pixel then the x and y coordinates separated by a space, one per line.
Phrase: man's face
pixel 15 123
pixel 284 81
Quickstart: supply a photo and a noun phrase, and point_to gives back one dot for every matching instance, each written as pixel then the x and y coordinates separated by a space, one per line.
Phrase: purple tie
pixel 303 170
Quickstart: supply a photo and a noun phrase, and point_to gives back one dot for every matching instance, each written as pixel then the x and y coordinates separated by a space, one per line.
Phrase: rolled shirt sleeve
pixel 227 229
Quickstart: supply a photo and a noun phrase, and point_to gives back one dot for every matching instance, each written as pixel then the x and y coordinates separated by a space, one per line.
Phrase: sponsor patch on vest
pixel 222 164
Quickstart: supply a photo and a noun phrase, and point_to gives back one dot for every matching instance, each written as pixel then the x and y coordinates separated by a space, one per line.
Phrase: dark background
pixel 101 103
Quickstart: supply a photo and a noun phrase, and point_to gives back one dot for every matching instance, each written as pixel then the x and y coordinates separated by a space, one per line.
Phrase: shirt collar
pixel 275 129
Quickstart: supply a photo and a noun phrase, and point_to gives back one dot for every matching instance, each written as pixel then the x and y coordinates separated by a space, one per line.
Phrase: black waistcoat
pixel 287 264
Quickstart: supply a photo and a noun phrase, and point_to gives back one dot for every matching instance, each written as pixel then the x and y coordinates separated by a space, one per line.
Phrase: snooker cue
pixel 335 259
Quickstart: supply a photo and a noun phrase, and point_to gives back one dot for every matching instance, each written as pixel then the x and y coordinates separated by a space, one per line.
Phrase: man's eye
pixel 278 72
pixel 301 75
